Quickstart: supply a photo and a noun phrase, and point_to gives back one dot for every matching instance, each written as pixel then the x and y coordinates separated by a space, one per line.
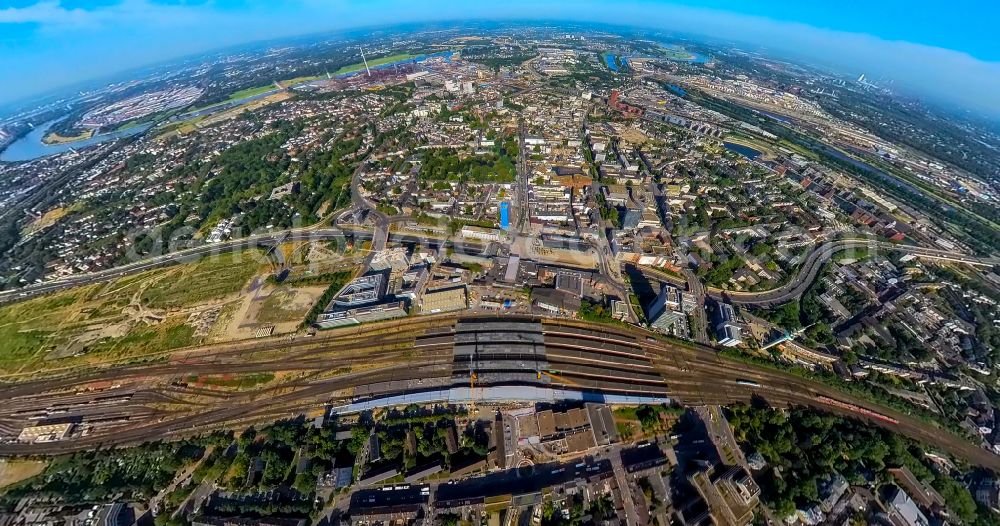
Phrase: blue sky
pixel 949 51
pixel 967 26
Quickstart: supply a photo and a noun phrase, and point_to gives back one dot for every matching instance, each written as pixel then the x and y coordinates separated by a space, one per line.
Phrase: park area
pixel 130 318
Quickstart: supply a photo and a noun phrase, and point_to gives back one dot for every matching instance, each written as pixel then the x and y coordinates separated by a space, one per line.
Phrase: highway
pixel 127 404
pixel 267 240
pixel 318 232
pixel 361 202
pixel 612 274
pixel 521 200
pixel 813 264
pixel 806 274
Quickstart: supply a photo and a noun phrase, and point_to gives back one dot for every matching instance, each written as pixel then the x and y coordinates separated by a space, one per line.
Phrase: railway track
pixel 233 352
pixel 379 360
pixel 307 355
pixel 280 401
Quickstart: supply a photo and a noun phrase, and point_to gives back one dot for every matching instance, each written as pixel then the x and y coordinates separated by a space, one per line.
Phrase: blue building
pixel 505 215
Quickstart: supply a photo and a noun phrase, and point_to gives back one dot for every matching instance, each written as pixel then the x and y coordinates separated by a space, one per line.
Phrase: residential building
pixel 903 511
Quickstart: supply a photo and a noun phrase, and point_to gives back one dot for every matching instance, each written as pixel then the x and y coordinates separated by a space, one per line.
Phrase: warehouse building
pixel 445 300
pixel 45 433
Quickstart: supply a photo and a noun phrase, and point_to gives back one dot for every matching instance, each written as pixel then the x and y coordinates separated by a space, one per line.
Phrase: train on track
pixel 856 409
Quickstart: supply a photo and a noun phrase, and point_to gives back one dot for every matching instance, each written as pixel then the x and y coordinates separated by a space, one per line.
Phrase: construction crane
pixel 365 60
pixel 472 390
pixel 556 377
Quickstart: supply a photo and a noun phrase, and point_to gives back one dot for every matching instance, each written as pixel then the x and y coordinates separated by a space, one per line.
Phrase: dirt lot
pixel 13 471
pixel 283 307
pixel 631 134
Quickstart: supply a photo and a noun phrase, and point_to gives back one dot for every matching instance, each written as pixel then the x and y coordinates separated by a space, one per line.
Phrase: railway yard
pixel 443 359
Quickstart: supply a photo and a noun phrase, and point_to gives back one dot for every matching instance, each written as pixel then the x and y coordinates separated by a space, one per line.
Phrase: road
pixel 608 265
pixel 699 318
pixel 181 256
pixel 325 233
pixel 612 273
pixel 181 477
pixel 813 265
pixel 401 356
pixel 320 231
pixel 521 204
pixel 806 274
pixel 625 486
pixel 361 202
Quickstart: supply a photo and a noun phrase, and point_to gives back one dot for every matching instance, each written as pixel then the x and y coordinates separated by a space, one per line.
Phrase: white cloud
pixel 154 31
pixel 52 16
pixel 45 13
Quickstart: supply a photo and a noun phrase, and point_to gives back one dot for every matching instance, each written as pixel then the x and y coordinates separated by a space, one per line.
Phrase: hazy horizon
pixel 944 56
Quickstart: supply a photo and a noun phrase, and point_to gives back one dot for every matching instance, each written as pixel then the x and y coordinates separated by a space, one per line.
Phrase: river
pixel 31 146
pixel 745 151
pixel 890 179
pixel 610 61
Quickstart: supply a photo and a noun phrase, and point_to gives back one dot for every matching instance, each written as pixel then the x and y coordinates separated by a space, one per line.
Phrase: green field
pixel 374 62
pixel 204 280
pixel 243 93
pixel 250 92
pixel 125 319
pixel 300 80
pixel 677 54
pixel 144 340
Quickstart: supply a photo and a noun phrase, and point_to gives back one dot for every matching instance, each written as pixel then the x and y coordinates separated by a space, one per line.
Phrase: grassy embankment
pixel 131 318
